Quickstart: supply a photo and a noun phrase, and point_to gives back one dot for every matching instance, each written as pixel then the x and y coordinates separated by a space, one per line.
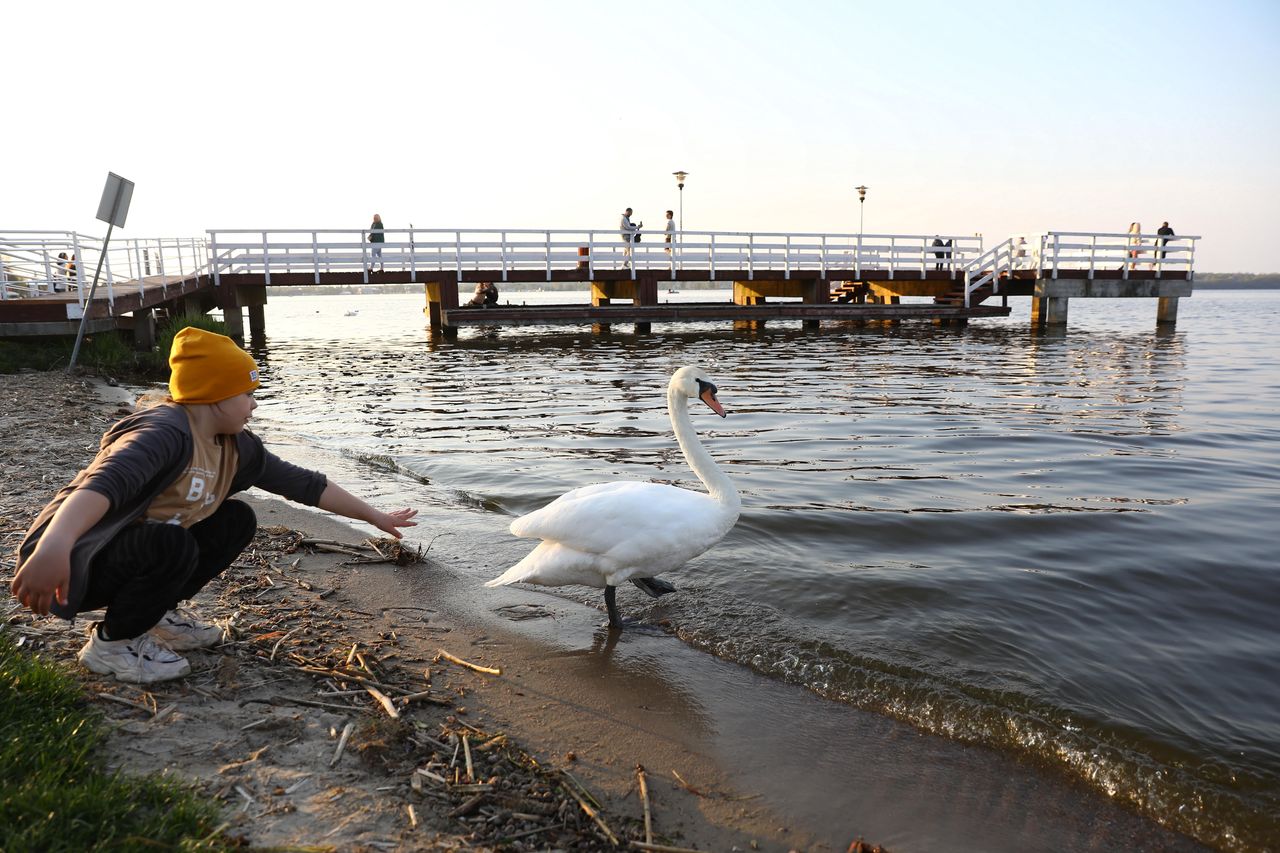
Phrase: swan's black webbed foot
pixel 653 587
pixel 610 603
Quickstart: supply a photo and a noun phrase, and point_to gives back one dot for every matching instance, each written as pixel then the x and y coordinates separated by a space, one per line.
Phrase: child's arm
pixel 339 500
pixel 47 572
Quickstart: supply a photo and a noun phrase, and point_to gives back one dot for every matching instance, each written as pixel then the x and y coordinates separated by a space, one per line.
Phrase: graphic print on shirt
pixel 200 490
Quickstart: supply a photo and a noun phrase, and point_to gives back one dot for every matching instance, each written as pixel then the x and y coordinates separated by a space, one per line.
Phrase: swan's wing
pixel 615 519
pixel 552 564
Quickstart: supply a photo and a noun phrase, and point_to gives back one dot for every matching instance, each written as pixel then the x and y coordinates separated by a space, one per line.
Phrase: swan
pixel 608 533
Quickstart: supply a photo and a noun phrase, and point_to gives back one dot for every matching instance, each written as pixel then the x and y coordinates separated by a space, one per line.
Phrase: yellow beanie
pixel 209 368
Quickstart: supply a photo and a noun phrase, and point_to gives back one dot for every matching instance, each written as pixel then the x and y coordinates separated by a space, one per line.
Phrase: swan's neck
pixel 717 483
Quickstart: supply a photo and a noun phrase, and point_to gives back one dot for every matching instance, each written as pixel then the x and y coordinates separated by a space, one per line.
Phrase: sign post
pixel 112 210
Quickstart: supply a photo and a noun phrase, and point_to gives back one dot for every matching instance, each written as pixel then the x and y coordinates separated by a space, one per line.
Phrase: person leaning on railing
pixel 1165 233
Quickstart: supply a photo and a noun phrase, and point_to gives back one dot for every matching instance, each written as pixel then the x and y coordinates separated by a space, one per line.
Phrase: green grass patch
pixel 55 791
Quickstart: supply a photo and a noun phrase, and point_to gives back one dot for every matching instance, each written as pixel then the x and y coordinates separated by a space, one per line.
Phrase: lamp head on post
pixel 862 198
pixel 680 176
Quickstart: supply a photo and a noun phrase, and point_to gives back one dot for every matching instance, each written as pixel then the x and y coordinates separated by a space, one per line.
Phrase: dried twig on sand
pixel 644 801
pixel 342 743
pixel 591 813
pixel 472 666
pixel 384 701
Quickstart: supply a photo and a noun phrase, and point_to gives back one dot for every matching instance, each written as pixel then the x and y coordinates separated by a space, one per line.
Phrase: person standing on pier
pixel 150 522
pixel 377 238
pixel 630 233
pixel 1165 233
pixel 64 270
pixel 937 251
pixel 1135 240
pixel 669 231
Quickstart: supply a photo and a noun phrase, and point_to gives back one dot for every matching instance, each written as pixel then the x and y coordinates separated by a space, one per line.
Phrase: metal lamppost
pixel 862 198
pixel 680 176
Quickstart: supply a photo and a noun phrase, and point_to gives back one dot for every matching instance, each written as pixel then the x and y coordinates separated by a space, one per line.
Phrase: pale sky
pixel 986 117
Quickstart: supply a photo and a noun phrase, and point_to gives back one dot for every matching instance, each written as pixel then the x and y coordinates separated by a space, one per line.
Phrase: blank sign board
pixel 114 206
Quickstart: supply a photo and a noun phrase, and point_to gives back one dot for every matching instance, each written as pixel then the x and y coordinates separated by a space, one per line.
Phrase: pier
pixel 804 277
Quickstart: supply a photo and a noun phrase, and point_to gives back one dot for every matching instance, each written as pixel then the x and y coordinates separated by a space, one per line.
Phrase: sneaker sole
pixel 131 677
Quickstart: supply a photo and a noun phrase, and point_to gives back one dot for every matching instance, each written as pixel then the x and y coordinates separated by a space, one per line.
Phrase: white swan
pixel 606 534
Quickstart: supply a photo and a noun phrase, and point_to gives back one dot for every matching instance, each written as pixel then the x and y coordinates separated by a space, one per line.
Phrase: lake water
pixel 1061 546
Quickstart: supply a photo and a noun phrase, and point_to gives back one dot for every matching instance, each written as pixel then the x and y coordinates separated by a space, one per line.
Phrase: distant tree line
pixel 1238 280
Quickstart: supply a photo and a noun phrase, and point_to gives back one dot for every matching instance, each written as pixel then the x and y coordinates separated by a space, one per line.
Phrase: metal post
pixel 84 314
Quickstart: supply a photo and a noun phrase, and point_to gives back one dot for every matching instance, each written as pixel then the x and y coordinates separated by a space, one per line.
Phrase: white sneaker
pixel 139 661
pixel 181 630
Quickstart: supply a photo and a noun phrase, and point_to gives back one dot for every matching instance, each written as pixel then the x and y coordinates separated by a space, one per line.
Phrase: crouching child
pixel 149 522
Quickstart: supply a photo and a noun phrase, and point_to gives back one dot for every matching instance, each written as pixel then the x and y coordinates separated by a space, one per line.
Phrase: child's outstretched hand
pixel 389 521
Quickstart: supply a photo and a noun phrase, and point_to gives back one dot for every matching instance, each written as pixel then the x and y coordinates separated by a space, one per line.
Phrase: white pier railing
pixel 1052 252
pixel 1094 251
pixel 45 263
pixel 41 263
pixel 505 251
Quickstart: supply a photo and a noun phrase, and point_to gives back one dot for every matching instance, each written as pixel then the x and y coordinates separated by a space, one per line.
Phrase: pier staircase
pixel 849 291
pixel 982 276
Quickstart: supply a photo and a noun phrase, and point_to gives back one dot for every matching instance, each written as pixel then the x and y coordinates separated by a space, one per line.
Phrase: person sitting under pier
pixel 486 294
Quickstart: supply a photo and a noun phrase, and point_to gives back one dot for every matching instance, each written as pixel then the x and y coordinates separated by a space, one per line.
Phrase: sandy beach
pixel 732 760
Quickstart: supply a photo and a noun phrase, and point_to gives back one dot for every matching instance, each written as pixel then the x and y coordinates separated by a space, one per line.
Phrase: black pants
pixel 148 568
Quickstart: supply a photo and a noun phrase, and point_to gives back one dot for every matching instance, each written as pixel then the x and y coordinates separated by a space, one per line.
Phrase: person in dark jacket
pixel 1164 232
pixel 376 238
pixel 149 522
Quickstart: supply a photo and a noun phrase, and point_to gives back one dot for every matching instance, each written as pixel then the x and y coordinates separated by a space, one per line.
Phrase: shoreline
pixel 760 761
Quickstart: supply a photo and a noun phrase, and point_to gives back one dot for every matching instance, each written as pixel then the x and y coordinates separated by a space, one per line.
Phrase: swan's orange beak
pixel 708 396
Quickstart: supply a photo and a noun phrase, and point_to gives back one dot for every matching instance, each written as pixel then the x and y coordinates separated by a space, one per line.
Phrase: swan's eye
pixel 704 387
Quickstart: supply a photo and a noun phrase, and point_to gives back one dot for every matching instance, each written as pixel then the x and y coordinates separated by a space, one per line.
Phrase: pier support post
pixel 816 292
pixel 1049 311
pixel 442 296
pixel 1167 311
pixel 254 297
pixel 234 319
pixel 600 296
pixel 144 329
pixel 257 321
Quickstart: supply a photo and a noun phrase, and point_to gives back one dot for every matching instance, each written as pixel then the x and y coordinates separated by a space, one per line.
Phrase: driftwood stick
pixel 424 696
pixel 472 666
pixel 276 647
pixel 347 676
pixel 293 700
pixel 686 785
pixel 586 792
pixel 466 752
pixel 342 742
pixel 384 701
pixel 469 806
pixel 333 547
pixel 313 541
pixel 591 813
pixel 644 801
pixel 123 701
pixel 436 776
